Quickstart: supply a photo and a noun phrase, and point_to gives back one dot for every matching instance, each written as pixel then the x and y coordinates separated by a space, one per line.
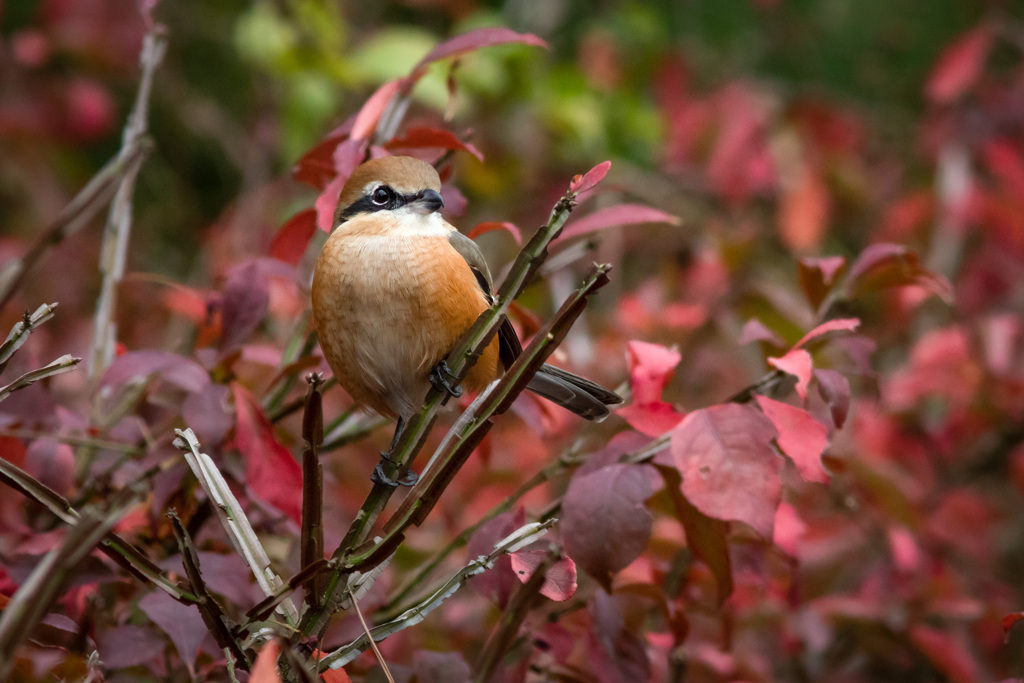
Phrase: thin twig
pixel 311 538
pixel 373 643
pixel 22 329
pixel 119 221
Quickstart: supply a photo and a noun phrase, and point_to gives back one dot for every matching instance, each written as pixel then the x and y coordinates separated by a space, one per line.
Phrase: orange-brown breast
pixel 389 304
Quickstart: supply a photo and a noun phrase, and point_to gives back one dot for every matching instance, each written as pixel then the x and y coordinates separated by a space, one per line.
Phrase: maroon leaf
pixel 52 463
pixel 619 654
pixel 729 468
pixel 291 241
pixel 473 40
pixel 706 536
pixel 245 298
pixel 560 579
pixel 128 645
pixel 581 185
pixel 498 582
pixel 755 330
pixel 440 667
pixel 206 412
pixel 881 266
pixel 617 216
pixel 605 523
pixel 960 65
pixel 797 363
pixel 316 167
pixel 801 437
pixel 426 137
pixel 819 275
pixel 271 471
pixel 834 389
pixel 172 368
pixel 491 226
pixel 182 623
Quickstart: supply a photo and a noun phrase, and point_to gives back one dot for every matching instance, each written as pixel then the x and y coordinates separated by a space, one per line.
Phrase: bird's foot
pixel 378 476
pixel 442 379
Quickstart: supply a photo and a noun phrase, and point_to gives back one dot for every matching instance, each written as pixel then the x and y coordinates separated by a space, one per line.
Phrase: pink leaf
pixel 327 202
pixel 52 463
pixel 650 368
pixel 582 185
pixel 473 40
pixel 560 579
pixel 755 330
pixel 605 524
pixel 804 212
pixel 617 216
pixel 206 412
pixel 960 65
pixel 797 363
pixel 948 652
pixel 491 226
pixel 270 470
pixel 729 468
pixel 426 137
pixel 1003 159
pixel 801 437
pixel 264 670
pixel 369 115
pixel 290 242
pixel 498 582
pixel 838 325
pixel 172 368
pixel 834 389
pixel 652 419
pixel 789 528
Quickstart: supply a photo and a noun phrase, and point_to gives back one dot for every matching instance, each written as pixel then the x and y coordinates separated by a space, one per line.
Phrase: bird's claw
pixel 441 378
pixel 378 476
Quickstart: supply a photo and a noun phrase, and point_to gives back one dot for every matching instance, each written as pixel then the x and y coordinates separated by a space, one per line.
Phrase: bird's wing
pixel 509 347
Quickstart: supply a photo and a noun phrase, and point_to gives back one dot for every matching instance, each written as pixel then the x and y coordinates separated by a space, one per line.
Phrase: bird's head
pixel 390 184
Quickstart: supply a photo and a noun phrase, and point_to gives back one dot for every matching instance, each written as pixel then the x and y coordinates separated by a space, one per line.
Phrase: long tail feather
pixel 583 397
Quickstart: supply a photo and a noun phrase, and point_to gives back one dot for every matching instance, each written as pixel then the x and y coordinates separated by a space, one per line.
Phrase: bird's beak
pixel 427 201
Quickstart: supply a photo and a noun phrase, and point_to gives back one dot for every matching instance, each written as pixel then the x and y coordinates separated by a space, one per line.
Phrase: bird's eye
pixel 381 195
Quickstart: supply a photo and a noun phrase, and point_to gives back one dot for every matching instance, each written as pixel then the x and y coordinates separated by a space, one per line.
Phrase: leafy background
pixel 792 140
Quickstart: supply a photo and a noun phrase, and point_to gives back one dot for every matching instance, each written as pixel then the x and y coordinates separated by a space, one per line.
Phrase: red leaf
pixel 837 325
pixel 788 529
pixel 52 463
pixel 947 652
pixel 819 275
pixel 1010 619
pixel 881 266
pixel 729 468
pixel 803 212
pixel 581 185
pixel 650 368
pixel 617 216
pixel 426 137
pixel 801 437
pixel 560 579
pixel 797 363
pixel 1005 162
pixel 270 470
pixel 652 419
pixel 834 389
pixel 960 65
pixel 290 242
pixel 316 167
pixel 326 203
pixel 498 582
pixel 369 115
pixel 490 226
pixel 264 670
pixel 473 40
pixel 605 523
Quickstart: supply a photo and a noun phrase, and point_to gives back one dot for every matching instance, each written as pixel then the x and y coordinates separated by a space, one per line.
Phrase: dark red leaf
pixel 560 579
pixel 948 652
pixel 316 167
pixel 818 276
pixel 581 185
pixel 426 137
pixel 291 241
pixel 245 298
pixel 729 468
pixel 498 582
pixel 652 419
pixel 605 524
pixel 834 389
pixel 182 624
pixel 270 470
pixel 801 437
pixel 491 226
pixel 616 216
pixel 881 266
pixel 799 364
pixel 616 652
pixel 1011 619
pixel 960 65
pixel 706 536
pixel 473 40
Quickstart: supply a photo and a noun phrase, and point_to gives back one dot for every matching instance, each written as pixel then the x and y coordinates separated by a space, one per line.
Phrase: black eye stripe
pixel 367 203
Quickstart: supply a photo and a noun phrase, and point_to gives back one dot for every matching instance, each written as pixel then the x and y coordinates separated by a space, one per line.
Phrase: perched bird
pixel 394 289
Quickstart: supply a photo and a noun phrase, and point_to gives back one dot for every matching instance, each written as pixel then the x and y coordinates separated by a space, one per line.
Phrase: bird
pixel 395 287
